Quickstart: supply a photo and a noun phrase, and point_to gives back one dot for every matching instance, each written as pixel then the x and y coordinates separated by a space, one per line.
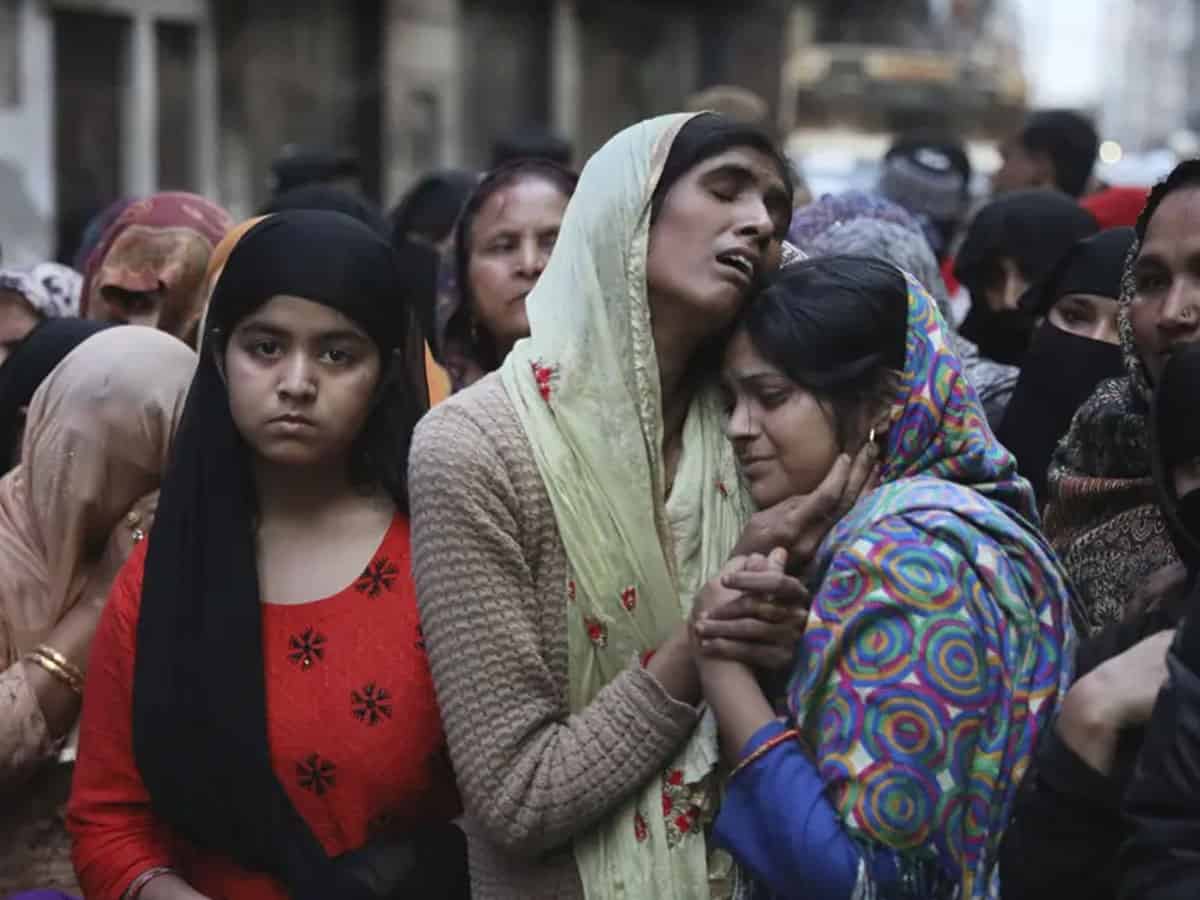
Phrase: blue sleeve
pixel 777 822
pixel 780 826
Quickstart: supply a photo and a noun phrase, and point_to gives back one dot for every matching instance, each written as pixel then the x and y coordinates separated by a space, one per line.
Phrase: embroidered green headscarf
pixel 586 388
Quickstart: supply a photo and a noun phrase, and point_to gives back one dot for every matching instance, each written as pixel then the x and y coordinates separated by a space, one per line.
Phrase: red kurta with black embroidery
pixel 353 727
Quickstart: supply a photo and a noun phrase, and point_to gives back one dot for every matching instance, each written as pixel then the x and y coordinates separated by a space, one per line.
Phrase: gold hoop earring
pixel 871 435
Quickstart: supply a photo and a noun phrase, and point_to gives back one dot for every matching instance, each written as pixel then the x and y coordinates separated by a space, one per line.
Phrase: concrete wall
pixel 423 121
pixel 292 73
pixel 411 85
pixel 27 142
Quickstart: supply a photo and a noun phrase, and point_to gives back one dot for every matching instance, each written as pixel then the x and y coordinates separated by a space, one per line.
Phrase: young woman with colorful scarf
pixel 939 638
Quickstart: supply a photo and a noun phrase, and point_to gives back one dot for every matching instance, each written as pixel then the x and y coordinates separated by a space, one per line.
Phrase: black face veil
pixel 199 704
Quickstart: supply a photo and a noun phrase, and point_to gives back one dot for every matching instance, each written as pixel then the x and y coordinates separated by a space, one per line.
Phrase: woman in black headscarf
pixel 1069 823
pixel 1159 862
pixel 1012 243
pixel 1075 348
pixel 259 716
pixel 21 375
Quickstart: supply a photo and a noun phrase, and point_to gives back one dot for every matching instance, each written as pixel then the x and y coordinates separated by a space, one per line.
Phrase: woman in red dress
pixel 259 719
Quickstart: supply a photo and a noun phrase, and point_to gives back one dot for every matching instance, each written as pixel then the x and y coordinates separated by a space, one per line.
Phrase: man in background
pixel 1055 149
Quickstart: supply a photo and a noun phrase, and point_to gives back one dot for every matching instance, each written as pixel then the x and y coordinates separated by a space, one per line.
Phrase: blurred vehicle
pixel 890 89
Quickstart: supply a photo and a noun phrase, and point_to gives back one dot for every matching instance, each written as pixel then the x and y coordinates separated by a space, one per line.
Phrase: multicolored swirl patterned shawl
pixel 940 641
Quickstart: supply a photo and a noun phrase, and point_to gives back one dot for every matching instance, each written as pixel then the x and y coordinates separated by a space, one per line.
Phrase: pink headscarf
pixel 161 243
pixel 97 441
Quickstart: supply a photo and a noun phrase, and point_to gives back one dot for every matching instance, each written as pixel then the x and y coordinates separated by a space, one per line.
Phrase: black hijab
pixel 1061 370
pixel 1175 439
pixel 24 371
pixel 1032 228
pixel 421 221
pixel 199 699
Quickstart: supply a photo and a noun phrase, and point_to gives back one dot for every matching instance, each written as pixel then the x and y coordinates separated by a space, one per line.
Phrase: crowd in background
pixel 645 530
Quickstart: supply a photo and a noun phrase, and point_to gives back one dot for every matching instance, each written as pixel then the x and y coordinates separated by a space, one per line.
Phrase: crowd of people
pixel 646 531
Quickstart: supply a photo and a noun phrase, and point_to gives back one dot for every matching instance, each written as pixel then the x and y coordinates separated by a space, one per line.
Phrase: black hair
pixel 432 206
pixel 708 135
pixel 297 166
pixel 532 143
pixel 322 196
pixel 1184 175
pixel 481 346
pixel 1071 142
pixel 836 326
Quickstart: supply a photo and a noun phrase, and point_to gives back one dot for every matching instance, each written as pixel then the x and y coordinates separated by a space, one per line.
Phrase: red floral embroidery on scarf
pixel 629 598
pixel 571 591
pixel 682 815
pixel 724 491
pixel 543 375
pixel 597 631
pixel 641 830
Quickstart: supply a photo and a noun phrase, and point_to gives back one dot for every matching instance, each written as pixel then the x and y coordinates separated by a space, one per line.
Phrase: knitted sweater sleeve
pixel 532 774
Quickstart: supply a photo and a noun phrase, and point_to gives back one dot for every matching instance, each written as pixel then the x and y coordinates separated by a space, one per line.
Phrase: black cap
pixel 297 166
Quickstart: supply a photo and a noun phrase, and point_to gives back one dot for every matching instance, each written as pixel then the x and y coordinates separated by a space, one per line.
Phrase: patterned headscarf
pixel 883 230
pixel 50 288
pixel 836 210
pixel 160 243
pixel 1103 516
pixel 939 643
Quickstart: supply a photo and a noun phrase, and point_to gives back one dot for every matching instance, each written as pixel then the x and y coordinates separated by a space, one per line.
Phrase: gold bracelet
pixel 50 653
pixel 57 671
pixel 765 748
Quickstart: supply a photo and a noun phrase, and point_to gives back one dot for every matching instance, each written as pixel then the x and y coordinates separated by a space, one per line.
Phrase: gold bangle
pixel 58 672
pixel 765 748
pixel 50 653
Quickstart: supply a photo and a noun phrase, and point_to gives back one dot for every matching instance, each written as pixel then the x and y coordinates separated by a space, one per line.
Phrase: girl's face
pixel 1088 316
pixel 511 240
pixel 720 228
pixel 301 378
pixel 1166 308
pixel 784 436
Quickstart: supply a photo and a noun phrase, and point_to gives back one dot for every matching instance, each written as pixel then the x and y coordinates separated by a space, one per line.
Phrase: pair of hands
pixel 1120 693
pixel 754 612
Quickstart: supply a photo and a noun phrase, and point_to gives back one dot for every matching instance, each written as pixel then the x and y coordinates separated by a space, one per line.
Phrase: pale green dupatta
pixel 586 388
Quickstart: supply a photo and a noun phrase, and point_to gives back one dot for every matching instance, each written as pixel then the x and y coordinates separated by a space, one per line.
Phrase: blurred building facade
pixel 108 98
pixel 1148 96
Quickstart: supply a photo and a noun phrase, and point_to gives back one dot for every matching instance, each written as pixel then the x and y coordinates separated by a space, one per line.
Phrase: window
pixel 10 53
